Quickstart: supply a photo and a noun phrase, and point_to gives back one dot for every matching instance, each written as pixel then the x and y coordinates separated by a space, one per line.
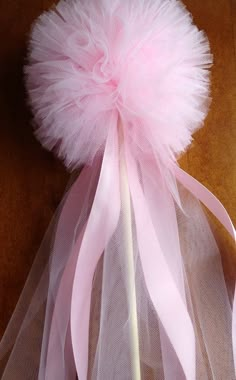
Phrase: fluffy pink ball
pixel 143 59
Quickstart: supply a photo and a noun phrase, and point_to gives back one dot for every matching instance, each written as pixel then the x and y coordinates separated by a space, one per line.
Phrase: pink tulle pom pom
pixel 143 59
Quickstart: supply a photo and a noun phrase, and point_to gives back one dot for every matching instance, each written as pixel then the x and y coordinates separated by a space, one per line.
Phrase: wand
pixel 119 88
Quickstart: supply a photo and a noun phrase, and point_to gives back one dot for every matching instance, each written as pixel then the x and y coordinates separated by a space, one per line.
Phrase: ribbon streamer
pixel 101 224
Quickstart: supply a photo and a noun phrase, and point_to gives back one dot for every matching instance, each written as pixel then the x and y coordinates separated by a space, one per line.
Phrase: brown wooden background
pixel 32 181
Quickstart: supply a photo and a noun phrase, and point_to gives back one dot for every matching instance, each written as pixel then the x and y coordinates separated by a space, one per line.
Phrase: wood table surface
pixel 32 181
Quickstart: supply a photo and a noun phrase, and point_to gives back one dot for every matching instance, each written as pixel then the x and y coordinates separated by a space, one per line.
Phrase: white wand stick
pixel 129 261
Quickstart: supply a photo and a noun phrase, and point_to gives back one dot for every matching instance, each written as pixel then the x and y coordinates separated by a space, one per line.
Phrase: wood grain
pixel 32 181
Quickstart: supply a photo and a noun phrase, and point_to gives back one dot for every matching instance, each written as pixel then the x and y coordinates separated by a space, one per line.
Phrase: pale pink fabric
pixel 144 63
pixel 142 58
pixel 184 312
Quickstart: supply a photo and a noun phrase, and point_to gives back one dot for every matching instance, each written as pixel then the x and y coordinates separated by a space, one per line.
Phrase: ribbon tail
pixel 160 201
pixel 60 334
pixel 75 208
pixel 161 286
pixel 101 225
pixel 207 198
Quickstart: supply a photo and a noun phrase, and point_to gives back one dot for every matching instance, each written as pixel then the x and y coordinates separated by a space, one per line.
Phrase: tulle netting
pixel 193 259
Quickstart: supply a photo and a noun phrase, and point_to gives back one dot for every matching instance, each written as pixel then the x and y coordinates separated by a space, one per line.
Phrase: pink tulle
pixel 184 312
pixel 122 86
pixel 142 58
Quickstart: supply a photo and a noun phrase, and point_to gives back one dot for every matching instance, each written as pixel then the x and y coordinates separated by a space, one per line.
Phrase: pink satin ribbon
pixel 161 286
pixel 101 225
pixel 57 360
pixel 207 198
pixel 60 327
